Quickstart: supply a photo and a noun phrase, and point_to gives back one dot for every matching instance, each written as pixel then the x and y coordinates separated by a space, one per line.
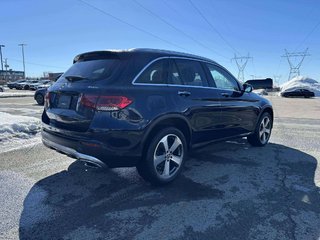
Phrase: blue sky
pixel 57 30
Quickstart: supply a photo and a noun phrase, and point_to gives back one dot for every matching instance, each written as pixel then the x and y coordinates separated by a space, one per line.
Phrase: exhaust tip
pixel 91 165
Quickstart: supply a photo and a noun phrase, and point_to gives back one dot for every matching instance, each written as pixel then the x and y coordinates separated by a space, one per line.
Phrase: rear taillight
pixel 105 103
pixel 89 101
pixel 112 103
pixel 47 100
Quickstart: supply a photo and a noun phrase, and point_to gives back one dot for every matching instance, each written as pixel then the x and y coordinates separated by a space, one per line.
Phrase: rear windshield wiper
pixel 72 78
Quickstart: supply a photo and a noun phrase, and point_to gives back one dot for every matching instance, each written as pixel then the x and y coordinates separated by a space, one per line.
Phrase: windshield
pixel 94 69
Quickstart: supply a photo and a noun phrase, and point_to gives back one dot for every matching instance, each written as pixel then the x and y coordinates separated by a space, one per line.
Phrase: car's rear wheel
pixel 40 99
pixel 164 158
pixel 26 87
pixel 262 132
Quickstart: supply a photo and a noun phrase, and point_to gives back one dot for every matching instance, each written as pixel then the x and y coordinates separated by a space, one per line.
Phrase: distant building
pixel 54 76
pixel 11 75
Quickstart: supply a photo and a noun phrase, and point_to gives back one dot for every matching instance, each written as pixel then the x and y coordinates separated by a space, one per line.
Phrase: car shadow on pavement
pixel 234 190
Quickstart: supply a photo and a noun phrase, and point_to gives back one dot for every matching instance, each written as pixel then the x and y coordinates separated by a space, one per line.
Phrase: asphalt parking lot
pixel 228 190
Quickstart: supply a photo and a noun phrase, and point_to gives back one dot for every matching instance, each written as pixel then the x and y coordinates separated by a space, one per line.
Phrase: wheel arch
pixel 172 120
pixel 269 110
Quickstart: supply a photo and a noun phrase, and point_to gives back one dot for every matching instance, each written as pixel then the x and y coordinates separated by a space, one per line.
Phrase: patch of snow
pixel 18 130
pixel 16 94
pixel 302 82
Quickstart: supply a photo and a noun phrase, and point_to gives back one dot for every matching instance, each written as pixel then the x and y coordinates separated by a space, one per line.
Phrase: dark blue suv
pixel 147 108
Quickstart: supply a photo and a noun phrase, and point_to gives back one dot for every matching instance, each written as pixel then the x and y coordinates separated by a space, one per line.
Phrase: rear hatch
pixel 71 102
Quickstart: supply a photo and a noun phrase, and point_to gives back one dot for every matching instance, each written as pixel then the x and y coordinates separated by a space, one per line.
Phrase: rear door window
pixel 191 73
pixel 174 75
pixel 156 73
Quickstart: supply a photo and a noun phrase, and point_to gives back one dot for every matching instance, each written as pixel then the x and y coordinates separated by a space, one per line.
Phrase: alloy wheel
pixel 265 130
pixel 168 156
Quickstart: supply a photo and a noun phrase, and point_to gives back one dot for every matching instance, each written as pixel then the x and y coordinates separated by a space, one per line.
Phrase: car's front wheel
pixel 262 132
pixel 40 99
pixel 164 158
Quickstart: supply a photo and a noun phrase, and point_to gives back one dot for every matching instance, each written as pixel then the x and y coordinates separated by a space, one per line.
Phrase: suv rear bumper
pixel 88 149
pixel 73 153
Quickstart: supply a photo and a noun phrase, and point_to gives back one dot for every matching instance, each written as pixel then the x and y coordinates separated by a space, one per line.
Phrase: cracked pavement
pixel 227 190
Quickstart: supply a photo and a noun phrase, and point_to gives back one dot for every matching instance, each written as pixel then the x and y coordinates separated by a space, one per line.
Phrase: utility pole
pixel 241 64
pixel 6 67
pixel 1 46
pixel 24 66
pixel 295 67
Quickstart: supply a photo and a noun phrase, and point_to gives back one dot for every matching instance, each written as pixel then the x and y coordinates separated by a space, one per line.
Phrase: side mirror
pixel 247 88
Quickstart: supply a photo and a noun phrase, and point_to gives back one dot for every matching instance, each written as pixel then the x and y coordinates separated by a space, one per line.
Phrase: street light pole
pixel 24 66
pixel 1 46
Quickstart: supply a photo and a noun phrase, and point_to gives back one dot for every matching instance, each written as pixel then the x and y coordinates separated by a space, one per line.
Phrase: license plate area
pixel 65 101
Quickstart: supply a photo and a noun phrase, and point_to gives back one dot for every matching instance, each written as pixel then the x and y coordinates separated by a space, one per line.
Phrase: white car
pixel 41 83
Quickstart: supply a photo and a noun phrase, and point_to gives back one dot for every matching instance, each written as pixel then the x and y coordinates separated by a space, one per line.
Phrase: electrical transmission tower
pixel 277 78
pixel 295 65
pixel 241 63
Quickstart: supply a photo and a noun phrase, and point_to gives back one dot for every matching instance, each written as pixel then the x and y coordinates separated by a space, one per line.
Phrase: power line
pixel 213 28
pixel 177 29
pixel 36 64
pixel 308 35
pixel 131 25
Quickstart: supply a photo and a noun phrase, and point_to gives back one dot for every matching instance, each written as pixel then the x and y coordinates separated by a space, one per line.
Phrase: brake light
pixel 112 103
pixel 89 101
pixel 105 103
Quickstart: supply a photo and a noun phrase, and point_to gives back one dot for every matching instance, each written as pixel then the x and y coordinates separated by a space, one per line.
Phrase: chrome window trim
pixel 143 69
pixel 177 85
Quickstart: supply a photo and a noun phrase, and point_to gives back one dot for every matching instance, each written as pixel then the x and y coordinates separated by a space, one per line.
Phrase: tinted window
pixel 93 69
pixel 174 76
pixel 191 73
pixel 156 73
pixel 222 79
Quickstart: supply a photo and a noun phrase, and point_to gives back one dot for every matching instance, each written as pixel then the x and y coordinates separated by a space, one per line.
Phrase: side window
pixel 222 79
pixel 191 73
pixel 174 75
pixel 156 73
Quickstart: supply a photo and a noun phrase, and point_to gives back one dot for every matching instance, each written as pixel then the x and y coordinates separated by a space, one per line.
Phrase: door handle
pixel 225 94
pixel 184 93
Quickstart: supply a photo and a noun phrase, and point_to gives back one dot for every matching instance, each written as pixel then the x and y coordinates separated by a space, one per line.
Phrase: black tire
pixel 26 87
pixel 262 133
pixel 166 169
pixel 40 99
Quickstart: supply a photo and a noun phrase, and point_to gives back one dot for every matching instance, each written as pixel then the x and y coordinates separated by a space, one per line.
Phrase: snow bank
pixel 15 94
pixel 301 82
pixel 18 127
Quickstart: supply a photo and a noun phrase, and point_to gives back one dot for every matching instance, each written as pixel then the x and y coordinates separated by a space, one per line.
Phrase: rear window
pixel 93 69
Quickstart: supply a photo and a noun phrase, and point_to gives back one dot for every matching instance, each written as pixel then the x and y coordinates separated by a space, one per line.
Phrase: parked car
pixel 13 84
pixel 47 85
pixel 39 95
pixel 147 108
pixel 39 84
pixel 301 92
pixel 25 85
